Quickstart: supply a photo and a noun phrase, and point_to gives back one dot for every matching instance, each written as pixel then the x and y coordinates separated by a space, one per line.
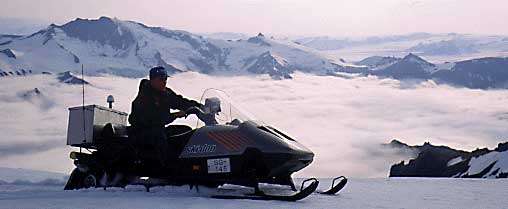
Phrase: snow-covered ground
pixel 10 175
pixel 359 193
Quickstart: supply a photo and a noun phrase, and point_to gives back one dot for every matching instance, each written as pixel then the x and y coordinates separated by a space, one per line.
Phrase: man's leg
pixel 162 147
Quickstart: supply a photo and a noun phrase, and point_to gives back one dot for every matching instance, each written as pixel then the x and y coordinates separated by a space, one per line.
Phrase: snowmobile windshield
pixel 219 105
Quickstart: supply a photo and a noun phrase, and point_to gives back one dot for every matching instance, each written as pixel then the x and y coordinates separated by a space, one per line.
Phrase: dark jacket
pixel 152 108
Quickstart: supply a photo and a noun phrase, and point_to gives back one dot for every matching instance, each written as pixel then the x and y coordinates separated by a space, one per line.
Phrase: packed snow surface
pixel 27 175
pixel 359 193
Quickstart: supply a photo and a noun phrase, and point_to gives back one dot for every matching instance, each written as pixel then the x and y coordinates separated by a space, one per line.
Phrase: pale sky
pixel 290 17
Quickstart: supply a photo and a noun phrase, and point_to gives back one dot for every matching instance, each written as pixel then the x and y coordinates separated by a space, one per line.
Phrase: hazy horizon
pixel 281 17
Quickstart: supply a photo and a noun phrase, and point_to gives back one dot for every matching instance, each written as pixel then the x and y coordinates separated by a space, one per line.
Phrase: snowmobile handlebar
pixel 207 118
pixel 194 110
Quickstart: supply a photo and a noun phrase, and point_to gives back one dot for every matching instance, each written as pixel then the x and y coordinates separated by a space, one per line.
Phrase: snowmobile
pixel 227 146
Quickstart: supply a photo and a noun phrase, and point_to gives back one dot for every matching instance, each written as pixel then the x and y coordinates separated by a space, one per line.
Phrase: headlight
pixel 73 155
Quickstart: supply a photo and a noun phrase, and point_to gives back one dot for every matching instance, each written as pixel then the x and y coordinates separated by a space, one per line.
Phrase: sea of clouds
pixel 342 120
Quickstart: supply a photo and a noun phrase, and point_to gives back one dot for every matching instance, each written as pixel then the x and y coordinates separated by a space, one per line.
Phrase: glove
pixel 180 114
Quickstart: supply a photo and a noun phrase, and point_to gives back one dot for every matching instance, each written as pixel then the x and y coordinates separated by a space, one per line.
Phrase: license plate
pixel 219 165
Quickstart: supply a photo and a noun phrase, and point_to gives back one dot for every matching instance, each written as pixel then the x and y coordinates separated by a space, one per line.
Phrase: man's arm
pixel 181 103
pixel 142 115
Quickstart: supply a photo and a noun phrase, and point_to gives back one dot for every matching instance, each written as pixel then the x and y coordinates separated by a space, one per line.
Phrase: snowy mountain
pixel 324 43
pixel 482 73
pixel 273 65
pixel 6 38
pixel 489 72
pixel 375 62
pixel 227 36
pixel 442 161
pixel 335 43
pixel 451 44
pixel 445 47
pixel 409 67
pixel 128 48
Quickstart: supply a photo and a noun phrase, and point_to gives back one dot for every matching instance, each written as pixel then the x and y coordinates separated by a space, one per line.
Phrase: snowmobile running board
pixel 336 188
pixel 303 193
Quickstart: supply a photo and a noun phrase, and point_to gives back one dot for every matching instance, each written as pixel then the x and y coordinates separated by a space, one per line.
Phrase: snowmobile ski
pixel 303 193
pixel 336 188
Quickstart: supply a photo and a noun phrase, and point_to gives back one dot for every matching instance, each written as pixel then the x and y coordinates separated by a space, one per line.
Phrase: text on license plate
pixel 219 165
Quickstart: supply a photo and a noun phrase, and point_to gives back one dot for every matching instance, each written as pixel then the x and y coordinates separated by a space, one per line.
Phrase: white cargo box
pixel 94 118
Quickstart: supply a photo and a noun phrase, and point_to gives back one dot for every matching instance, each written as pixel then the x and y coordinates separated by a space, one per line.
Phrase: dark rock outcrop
pixel 30 93
pixel 69 78
pixel 8 53
pixel 501 147
pixel 259 39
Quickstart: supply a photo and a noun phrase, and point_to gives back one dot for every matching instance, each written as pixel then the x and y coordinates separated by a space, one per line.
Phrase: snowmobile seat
pixel 114 131
pixel 176 130
pixel 111 135
pixel 178 136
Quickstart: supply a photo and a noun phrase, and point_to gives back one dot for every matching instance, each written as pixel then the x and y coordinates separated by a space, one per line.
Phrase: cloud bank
pixel 342 120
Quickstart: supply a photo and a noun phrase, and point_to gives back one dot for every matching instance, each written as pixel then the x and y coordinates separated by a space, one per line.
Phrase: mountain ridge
pixel 128 48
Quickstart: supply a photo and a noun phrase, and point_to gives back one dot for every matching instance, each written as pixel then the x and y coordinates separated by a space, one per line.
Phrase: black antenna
pixel 83 84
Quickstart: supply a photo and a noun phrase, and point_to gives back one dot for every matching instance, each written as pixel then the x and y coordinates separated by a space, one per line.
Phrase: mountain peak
pixel 397 143
pixel 104 18
pixel 259 39
pixel 103 30
pixel 413 57
pixel 274 65
pixel 416 59
pixel 424 64
pixel 100 19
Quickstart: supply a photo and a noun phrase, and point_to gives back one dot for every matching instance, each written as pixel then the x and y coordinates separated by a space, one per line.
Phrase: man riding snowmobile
pixel 151 112
pixel 226 146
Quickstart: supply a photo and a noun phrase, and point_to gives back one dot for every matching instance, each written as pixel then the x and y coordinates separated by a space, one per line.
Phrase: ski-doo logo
pixel 200 148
